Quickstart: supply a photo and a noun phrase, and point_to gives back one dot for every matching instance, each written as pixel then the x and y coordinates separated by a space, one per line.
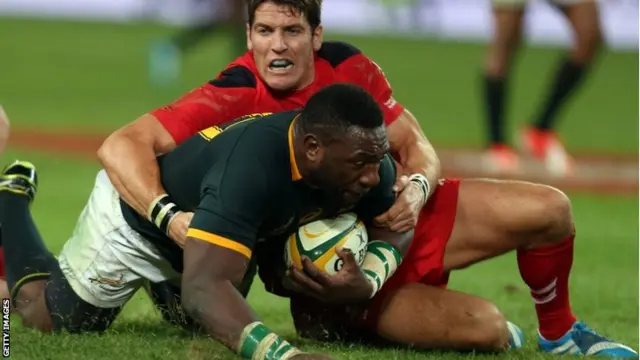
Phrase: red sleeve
pixel 366 73
pixel 222 100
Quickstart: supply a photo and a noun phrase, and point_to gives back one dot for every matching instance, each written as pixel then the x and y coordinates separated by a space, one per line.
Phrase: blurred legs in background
pixel 165 57
pixel 539 138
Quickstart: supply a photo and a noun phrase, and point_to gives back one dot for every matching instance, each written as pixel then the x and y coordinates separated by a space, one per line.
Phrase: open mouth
pixel 280 65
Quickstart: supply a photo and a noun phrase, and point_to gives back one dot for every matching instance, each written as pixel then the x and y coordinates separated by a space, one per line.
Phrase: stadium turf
pixel 92 76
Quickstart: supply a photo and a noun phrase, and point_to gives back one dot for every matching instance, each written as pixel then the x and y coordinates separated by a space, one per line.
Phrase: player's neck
pixel 309 78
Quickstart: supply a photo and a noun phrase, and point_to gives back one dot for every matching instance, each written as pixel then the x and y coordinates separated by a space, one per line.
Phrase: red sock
pixel 546 271
pixel 2 272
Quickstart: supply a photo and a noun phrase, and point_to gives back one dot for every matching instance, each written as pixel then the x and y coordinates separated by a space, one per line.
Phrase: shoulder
pixel 351 63
pixel 387 171
pixel 260 137
pixel 239 73
pixel 337 52
pixel 235 76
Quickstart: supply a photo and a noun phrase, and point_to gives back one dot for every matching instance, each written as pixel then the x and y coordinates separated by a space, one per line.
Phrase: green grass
pixel 604 283
pixel 92 76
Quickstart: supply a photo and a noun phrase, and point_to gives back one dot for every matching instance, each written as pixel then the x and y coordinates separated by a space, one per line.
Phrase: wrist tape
pixel 380 262
pixel 422 182
pixel 259 343
pixel 161 211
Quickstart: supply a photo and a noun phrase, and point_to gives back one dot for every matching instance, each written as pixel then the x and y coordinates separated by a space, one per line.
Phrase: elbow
pixel 192 299
pixel 107 151
pixel 121 144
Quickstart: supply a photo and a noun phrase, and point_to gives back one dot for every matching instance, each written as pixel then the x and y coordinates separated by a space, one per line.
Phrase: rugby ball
pixel 317 240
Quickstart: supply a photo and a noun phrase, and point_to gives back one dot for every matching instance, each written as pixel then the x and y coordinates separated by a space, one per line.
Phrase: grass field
pixel 92 77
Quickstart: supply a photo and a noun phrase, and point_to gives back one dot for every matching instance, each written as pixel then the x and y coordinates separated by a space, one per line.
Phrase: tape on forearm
pixel 380 262
pixel 423 183
pixel 257 342
pixel 161 211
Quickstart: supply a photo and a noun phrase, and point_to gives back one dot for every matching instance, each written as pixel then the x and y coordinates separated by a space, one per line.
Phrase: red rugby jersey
pixel 238 91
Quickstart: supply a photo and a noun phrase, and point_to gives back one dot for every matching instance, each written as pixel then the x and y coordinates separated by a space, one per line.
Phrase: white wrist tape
pixel 153 205
pixel 259 343
pixel 423 183
pixel 161 212
pixel 380 262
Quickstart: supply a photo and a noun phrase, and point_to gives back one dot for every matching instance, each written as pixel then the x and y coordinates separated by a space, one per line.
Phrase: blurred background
pixel 71 71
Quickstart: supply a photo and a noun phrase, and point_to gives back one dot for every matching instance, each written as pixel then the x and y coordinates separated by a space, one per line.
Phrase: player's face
pixel 283 45
pixel 348 167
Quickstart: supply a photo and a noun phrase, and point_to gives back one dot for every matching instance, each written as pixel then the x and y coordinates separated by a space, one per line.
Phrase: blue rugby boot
pixel 581 340
pixel 516 336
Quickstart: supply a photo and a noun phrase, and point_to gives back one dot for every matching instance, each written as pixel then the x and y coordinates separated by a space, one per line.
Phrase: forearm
pixel 220 310
pixel 385 252
pixel 133 169
pixel 415 152
pixel 399 241
pixel 419 157
pixel 226 316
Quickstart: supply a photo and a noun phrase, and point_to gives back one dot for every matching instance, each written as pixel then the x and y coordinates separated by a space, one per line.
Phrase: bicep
pixel 234 203
pixel 145 130
pixel 221 239
pixel 404 130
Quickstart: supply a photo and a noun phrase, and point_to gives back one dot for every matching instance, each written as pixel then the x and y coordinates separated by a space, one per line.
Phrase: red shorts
pixel 424 260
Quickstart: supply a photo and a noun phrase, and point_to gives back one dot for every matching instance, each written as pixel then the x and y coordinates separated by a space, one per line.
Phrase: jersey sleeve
pixel 235 202
pixel 228 96
pixel 381 198
pixel 366 73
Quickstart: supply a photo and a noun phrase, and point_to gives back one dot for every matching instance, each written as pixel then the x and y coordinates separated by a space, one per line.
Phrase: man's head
pixel 284 36
pixel 340 141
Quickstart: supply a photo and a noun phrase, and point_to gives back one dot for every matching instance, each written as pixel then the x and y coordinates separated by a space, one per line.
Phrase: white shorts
pixel 105 261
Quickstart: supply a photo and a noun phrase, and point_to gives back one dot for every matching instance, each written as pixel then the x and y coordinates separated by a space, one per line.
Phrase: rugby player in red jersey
pixel 459 222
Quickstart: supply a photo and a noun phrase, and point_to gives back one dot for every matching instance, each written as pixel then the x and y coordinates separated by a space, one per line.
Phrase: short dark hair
pixel 311 9
pixel 338 107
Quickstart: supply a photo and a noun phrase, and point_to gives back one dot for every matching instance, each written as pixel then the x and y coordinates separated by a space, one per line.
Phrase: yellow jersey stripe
pixel 220 241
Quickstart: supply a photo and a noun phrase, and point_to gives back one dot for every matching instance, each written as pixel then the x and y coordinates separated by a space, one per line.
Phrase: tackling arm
pixel 129 154
pixel 417 155
pixel 129 158
pixel 406 138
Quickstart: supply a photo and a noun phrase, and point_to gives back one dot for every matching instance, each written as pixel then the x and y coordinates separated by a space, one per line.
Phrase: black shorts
pixel 69 312
pixel 72 314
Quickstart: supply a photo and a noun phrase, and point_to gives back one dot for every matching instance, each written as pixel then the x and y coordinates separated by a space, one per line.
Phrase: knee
pixel 498 59
pixel 554 214
pixel 34 313
pixel 587 46
pixel 490 331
